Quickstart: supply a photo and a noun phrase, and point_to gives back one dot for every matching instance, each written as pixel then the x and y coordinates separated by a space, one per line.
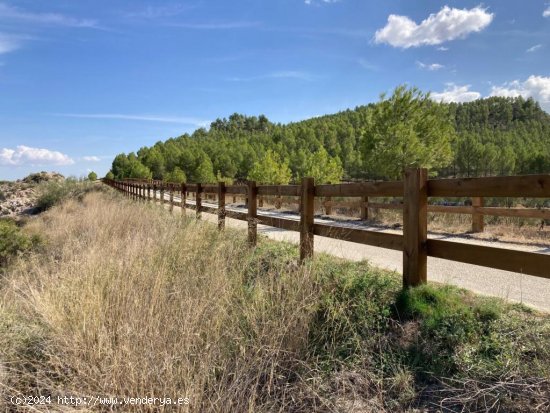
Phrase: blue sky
pixel 81 81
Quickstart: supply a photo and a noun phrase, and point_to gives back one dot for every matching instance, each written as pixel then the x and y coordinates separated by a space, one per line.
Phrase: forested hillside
pixel 494 136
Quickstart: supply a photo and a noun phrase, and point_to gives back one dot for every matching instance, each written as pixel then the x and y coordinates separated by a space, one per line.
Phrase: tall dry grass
pixel 124 299
pixel 135 302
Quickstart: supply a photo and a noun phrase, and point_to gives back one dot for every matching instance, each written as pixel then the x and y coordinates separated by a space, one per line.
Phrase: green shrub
pixel 13 241
pixel 54 192
pixel 354 308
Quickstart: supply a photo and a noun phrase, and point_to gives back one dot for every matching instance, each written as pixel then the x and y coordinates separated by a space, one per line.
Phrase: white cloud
pixel 145 118
pixel 9 12
pixel 7 44
pixel 91 158
pixel 456 93
pixel 24 155
pixel 546 12
pixel 536 87
pixel 442 48
pixel 429 66
pixel 534 48
pixel 447 24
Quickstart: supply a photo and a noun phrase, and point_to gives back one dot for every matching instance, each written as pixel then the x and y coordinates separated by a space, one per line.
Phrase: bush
pixel 13 241
pixel 53 193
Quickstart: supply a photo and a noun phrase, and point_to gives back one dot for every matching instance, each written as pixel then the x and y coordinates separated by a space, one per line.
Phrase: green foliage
pixel 177 176
pixel 491 136
pixel 110 175
pixel 204 173
pixel 270 169
pixel 324 168
pixel 407 130
pixel 129 167
pixel 452 320
pixel 13 241
pixel 353 309
pixel 409 340
pixel 226 179
pixel 52 193
pixel 92 176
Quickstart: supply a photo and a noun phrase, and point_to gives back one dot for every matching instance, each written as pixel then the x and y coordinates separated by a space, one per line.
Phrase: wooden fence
pixel 415 189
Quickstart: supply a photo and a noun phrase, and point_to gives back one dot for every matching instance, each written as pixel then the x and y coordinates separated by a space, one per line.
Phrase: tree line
pixel 493 136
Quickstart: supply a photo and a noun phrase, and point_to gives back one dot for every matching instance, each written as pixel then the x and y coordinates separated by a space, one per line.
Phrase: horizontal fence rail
pixel 414 190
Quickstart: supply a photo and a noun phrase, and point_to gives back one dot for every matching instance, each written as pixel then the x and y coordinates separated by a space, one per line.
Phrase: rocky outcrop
pixel 19 197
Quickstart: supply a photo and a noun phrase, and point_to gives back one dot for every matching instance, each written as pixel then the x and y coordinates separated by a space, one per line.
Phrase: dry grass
pixel 125 299
pixel 138 303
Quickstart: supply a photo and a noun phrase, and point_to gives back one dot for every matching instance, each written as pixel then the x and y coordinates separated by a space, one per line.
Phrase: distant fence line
pixel 415 189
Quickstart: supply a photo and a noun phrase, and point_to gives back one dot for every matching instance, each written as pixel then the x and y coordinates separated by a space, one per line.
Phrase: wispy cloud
pixel 218 25
pixel 25 155
pixel 159 12
pixel 91 158
pixel 8 43
pixel 145 118
pixel 546 12
pixel 534 48
pixel 443 49
pixel 448 24
pixel 310 2
pixel 284 74
pixel 13 13
pixel 365 64
pixel 429 66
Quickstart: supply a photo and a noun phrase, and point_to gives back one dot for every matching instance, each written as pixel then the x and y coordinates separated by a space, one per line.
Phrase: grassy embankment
pixel 124 299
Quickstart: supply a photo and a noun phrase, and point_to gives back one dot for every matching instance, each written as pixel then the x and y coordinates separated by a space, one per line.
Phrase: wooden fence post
pixel 149 192
pixel 171 188
pixel 252 213
pixel 415 227
pixel 183 196
pixel 198 200
pixel 306 218
pixel 477 218
pixel 162 193
pixel 328 203
pixel 221 206
pixel 364 208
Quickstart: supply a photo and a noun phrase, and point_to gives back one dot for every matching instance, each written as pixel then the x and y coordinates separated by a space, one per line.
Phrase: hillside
pixel 494 136
pixel 20 197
